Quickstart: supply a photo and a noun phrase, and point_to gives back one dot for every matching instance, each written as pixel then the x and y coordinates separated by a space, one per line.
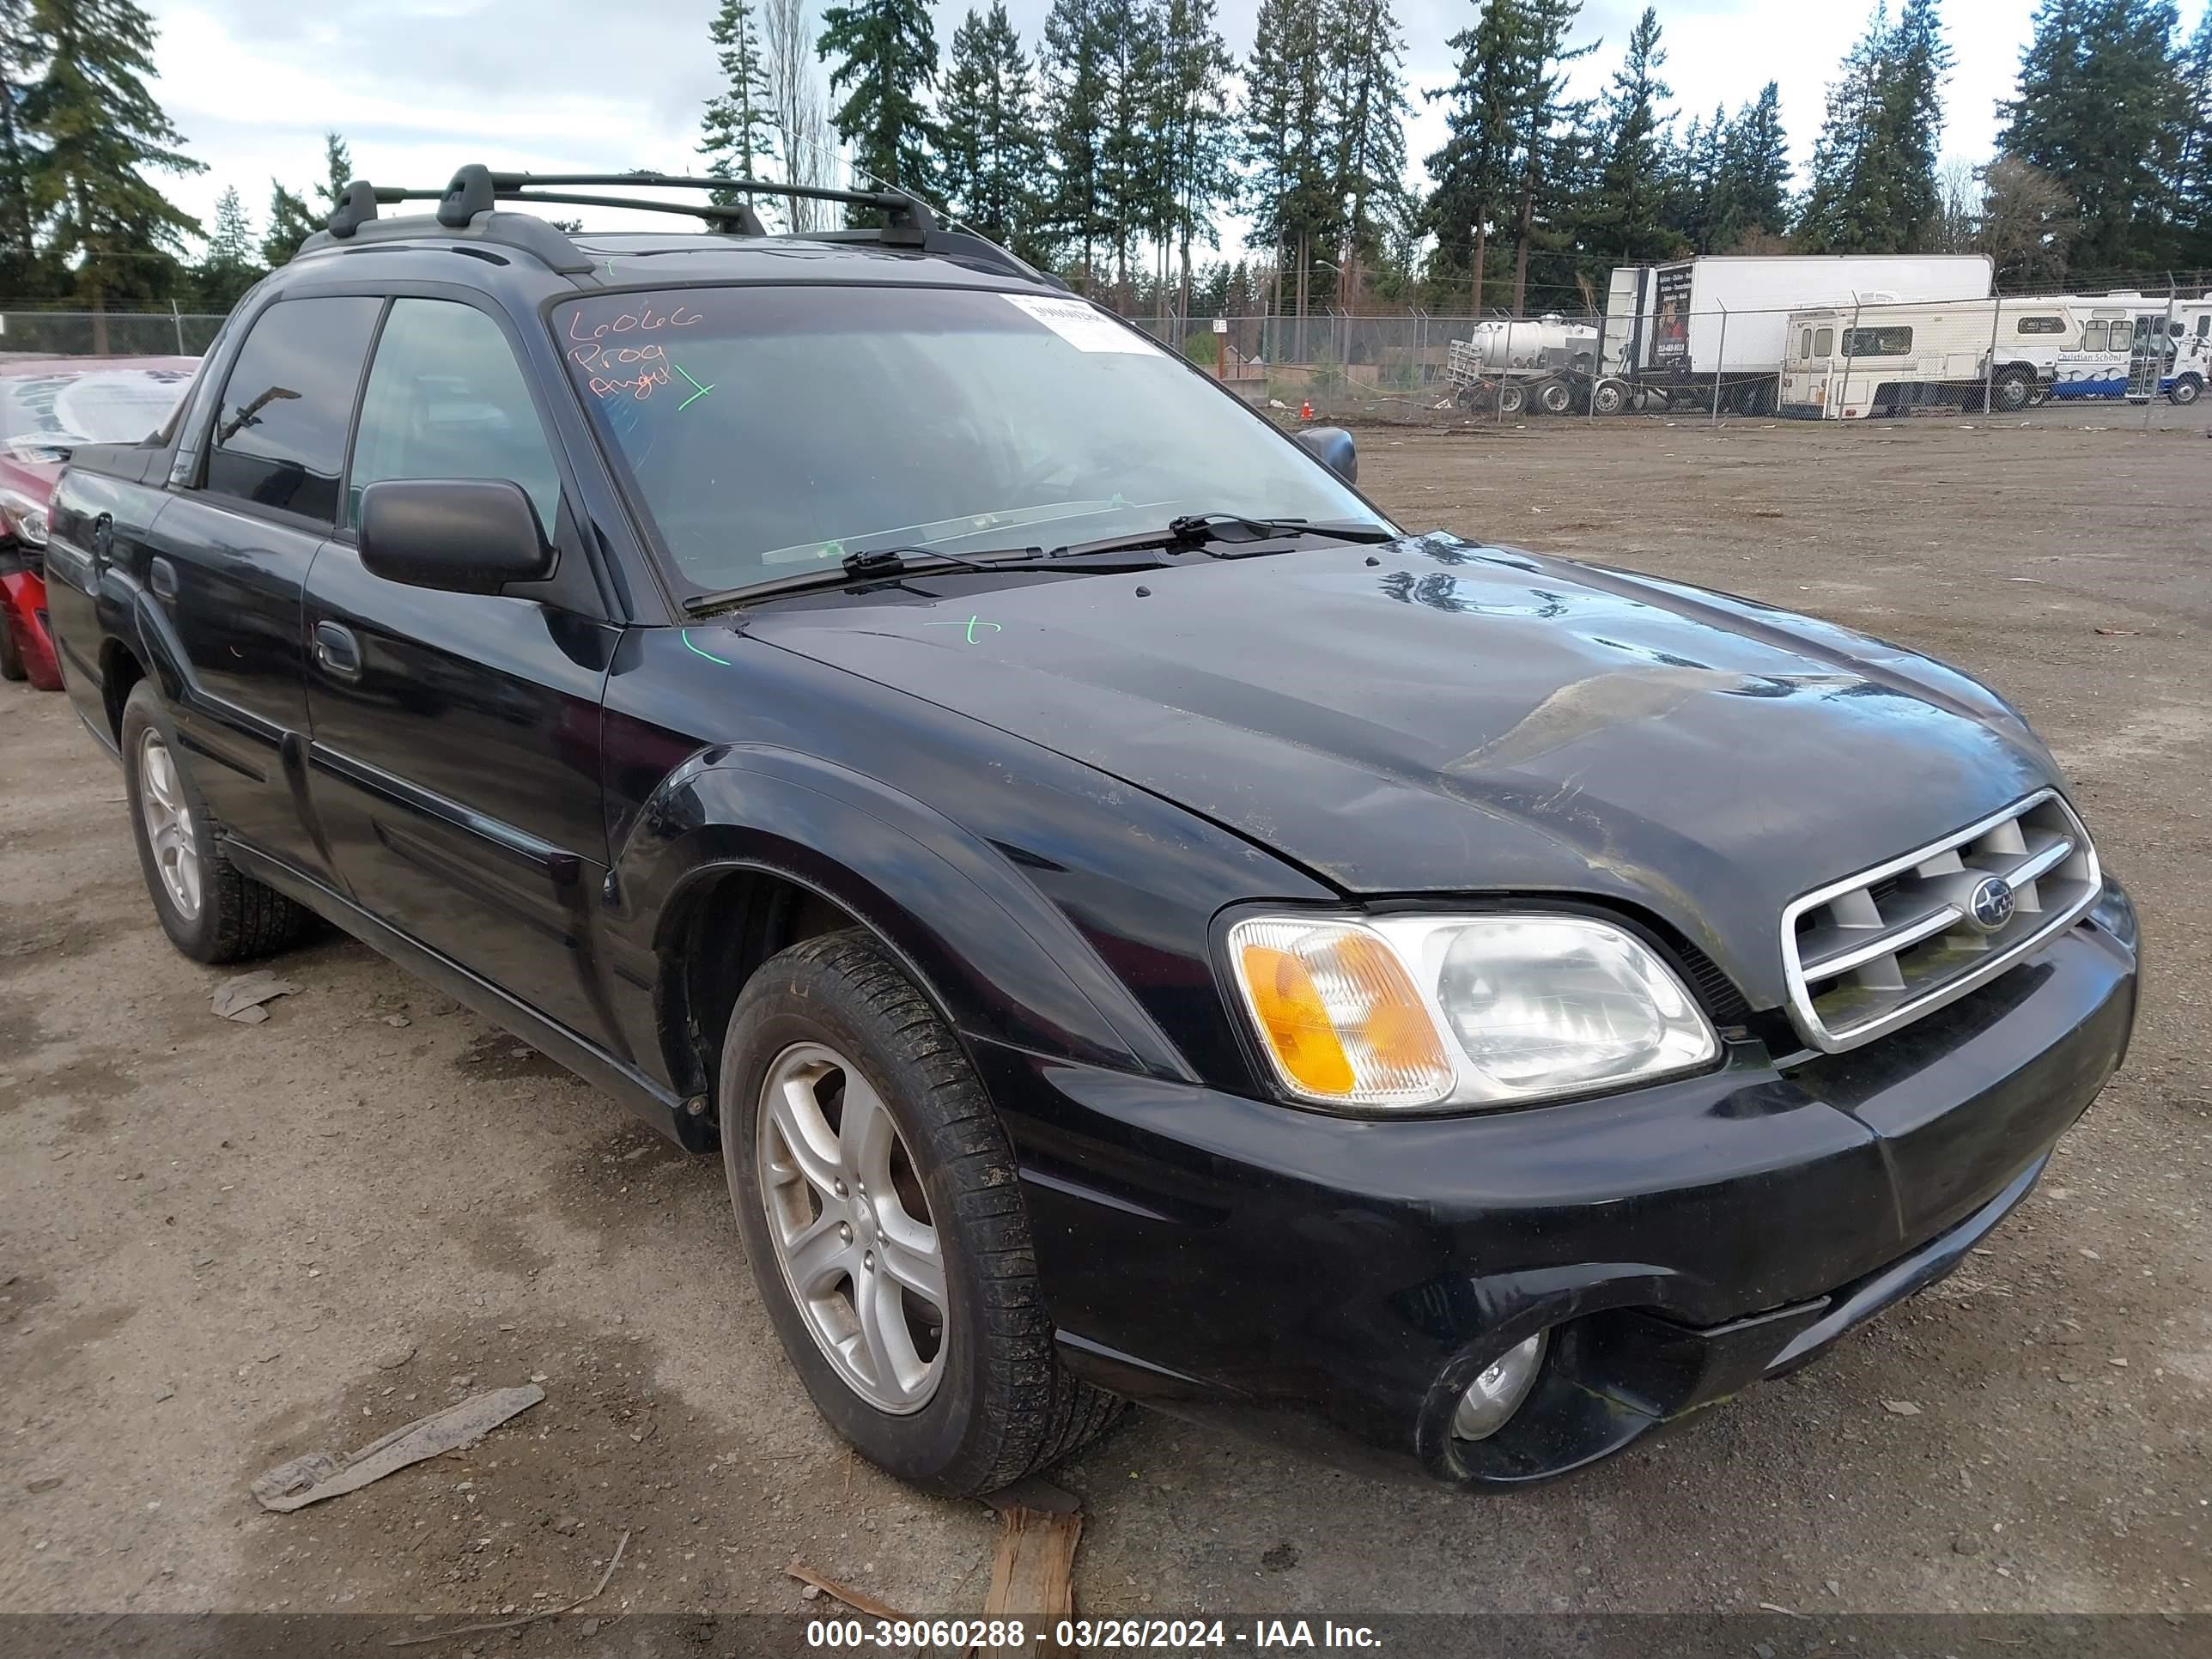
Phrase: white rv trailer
pixel 1848 362
pixel 1675 327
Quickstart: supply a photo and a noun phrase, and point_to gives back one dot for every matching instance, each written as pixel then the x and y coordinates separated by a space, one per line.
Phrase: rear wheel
pixel 209 910
pixel 882 1216
pixel 2013 390
pixel 1555 398
pixel 1512 397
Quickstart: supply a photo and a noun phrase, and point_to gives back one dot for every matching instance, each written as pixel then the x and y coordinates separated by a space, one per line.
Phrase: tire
pixel 214 913
pixel 1555 398
pixel 1512 398
pixel 11 653
pixel 2013 390
pixel 1608 398
pixel 2185 391
pixel 990 1401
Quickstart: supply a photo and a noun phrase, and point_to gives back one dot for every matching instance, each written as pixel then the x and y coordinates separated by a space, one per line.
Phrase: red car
pixel 48 406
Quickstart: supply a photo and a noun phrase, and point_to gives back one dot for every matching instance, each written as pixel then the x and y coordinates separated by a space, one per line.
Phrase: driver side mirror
pixel 458 535
pixel 1331 447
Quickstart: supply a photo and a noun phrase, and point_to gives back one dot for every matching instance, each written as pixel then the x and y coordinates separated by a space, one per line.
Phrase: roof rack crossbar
pixel 470 202
pixel 739 216
pixel 905 212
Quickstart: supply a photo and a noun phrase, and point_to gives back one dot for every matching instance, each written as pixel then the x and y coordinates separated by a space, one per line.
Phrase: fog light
pixel 1494 1396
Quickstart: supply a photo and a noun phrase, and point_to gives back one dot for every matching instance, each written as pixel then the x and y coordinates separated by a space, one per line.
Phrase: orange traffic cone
pixel 1305 409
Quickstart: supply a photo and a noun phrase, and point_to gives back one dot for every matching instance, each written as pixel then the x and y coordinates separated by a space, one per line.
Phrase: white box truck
pixel 1670 330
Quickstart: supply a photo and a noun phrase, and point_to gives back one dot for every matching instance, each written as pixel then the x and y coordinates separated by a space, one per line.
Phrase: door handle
pixel 162 577
pixel 337 653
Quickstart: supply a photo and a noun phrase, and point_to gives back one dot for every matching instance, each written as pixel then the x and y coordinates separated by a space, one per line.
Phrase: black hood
pixel 1431 716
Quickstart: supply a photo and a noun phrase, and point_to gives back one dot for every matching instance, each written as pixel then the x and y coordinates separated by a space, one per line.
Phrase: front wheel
pixel 1608 398
pixel 2187 390
pixel 11 654
pixel 883 1218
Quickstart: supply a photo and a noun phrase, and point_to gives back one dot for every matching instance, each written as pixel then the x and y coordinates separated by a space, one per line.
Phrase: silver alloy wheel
pixel 169 828
pixel 866 1272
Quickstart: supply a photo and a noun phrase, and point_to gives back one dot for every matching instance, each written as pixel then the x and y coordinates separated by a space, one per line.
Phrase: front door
pixel 228 561
pixel 455 760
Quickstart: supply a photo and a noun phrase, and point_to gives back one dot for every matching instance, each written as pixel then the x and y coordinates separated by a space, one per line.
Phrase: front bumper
pixel 1340 1281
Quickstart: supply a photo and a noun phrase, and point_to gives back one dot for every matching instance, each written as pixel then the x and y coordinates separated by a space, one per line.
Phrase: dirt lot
pixel 221 1245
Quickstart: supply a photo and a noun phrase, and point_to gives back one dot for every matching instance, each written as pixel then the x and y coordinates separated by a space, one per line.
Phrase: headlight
pixel 23 517
pixel 1418 1011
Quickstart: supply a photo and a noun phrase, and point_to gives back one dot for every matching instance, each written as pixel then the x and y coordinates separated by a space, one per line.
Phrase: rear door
pixel 229 559
pixel 455 761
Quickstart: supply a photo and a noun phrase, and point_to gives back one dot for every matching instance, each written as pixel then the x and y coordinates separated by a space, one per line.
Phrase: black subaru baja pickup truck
pixel 1136 923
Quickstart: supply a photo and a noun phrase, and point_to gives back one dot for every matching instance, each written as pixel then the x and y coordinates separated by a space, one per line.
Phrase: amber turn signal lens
pixel 1339 1013
pixel 1295 1022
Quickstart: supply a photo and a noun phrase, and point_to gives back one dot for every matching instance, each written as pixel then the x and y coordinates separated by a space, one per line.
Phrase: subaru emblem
pixel 1989 906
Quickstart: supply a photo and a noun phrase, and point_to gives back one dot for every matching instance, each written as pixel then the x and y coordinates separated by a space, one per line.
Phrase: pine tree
pixel 1072 70
pixel 1132 196
pixel 1627 218
pixel 337 173
pixel 1555 146
pixel 2192 173
pixel 1874 188
pixel 229 266
pixel 886 53
pixel 1286 145
pixel 2103 110
pixel 16 151
pixel 1367 95
pixel 1474 171
pixel 736 133
pixel 1197 134
pixel 991 155
pixel 1909 122
pixel 291 221
pixel 1754 188
pixel 102 131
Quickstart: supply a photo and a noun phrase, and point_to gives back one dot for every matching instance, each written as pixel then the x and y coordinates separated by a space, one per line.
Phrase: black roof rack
pixel 471 200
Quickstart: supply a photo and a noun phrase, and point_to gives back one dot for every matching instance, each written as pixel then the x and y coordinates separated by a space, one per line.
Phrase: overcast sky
pixel 420 86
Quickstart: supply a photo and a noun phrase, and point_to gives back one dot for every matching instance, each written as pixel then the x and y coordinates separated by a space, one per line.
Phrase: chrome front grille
pixel 1866 954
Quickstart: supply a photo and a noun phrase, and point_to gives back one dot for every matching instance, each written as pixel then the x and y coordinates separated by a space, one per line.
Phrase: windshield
pixel 774 430
pixel 49 412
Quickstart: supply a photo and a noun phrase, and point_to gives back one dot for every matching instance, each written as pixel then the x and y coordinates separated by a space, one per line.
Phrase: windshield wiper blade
pixel 888 563
pixel 1203 530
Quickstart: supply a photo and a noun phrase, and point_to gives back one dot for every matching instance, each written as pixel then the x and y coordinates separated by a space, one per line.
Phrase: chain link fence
pixel 39 332
pixel 1854 360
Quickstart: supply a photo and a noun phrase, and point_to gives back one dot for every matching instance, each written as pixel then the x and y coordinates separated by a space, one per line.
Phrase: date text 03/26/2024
pixel 1008 1635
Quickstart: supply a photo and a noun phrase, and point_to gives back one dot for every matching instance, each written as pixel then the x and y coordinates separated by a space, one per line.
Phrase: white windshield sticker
pixel 1081 326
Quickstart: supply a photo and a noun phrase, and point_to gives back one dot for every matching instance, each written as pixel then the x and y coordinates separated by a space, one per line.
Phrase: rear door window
pixel 1824 343
pixel 280 427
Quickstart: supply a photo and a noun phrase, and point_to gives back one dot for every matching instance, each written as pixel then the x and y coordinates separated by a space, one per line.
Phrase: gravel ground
pixel 223 1245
